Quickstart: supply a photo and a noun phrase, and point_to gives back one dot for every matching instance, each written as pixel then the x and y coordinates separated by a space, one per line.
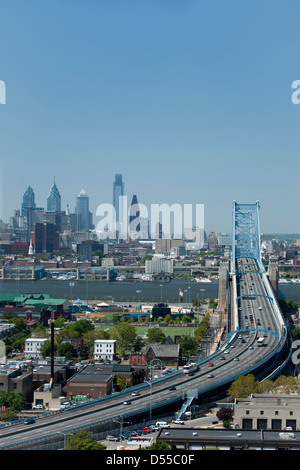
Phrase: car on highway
pixel 135 394
pixel 178 421
pixel 126 402
pixel 29 421
pixel 210 364
pixel 210 376
pixel 172 388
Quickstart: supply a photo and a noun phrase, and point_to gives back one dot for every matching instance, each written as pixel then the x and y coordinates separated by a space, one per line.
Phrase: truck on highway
pixel 190 368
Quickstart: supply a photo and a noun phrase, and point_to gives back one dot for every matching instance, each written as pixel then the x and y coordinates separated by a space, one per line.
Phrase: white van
pixel 162 424
pixel 65 405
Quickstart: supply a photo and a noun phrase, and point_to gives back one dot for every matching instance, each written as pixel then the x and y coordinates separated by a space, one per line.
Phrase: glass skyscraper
pixel 82 211
pixel 28 201
pixel 54 199
pixel 118 190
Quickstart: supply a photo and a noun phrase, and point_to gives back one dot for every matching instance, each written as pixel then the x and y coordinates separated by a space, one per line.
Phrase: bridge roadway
pixel 240 354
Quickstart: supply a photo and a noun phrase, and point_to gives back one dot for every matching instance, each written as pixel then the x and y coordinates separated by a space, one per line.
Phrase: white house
pixel 105 349
pixel 33 347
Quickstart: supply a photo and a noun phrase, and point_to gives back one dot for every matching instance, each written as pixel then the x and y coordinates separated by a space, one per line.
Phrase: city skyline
pixel 191 103
pixel 85 216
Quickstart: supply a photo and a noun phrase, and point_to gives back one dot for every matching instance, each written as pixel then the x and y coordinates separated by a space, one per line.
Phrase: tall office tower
pixel 28 201
pixel 54 199
pixel 118 190
pixel 134 211
pixel 82 211
pixel 45 238
pixel 134 216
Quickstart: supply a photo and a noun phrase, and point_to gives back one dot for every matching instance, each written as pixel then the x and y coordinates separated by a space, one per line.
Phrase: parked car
pixel 112 438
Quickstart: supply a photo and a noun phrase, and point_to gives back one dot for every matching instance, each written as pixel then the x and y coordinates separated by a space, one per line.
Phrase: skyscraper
pixel 82 211
pixel 138 225
pixel 29 210
pixel 118 191
pixel 54 199
pixel 28 201
pixel 45 238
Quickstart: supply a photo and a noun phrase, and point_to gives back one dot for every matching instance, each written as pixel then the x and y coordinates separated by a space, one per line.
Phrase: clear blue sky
pixel 189 99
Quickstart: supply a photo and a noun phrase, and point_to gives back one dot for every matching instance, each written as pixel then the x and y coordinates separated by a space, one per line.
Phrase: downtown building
pixel 45 238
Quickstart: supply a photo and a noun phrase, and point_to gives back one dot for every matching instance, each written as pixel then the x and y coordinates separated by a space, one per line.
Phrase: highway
pixel 239 354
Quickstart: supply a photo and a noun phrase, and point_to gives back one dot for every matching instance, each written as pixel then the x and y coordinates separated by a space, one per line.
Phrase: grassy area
pixel 167 330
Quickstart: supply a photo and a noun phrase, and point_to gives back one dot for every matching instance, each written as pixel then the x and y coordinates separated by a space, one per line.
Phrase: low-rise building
pixel 23 272
pixel 48 397
pixel 95 273
pixel 33 348
pixel 168 354
pixel 93 382
pixel 105 349
pixel 267 411
pixel 16 380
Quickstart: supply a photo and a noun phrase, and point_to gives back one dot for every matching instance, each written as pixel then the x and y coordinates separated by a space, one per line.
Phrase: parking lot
pixel 143 437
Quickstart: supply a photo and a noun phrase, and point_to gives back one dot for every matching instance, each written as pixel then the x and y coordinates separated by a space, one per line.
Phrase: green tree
pixel 243 386
pixel 67 350
pixel 125 335
pixel 15 401
pixel 202 328
pixel 82 326
pixel 137 345
pixel 168 318
pixel 83 440
pixel 45 349
pixel 188 345
pixel 20 324
pixel 122 382
pixel 158 445
pixel 155 335
pixel 296 332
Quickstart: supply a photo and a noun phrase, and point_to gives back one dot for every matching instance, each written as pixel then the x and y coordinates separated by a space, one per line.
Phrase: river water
pixel 126 291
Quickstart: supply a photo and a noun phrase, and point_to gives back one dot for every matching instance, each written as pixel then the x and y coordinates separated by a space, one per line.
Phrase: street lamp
pixel 150 409
pixel 71 284
pixel 139 292
pixel 121 426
